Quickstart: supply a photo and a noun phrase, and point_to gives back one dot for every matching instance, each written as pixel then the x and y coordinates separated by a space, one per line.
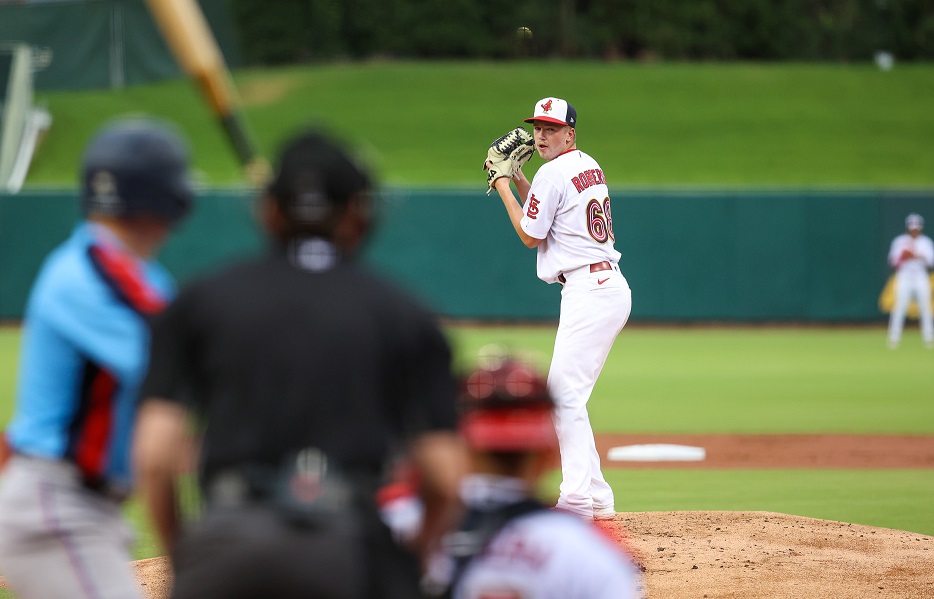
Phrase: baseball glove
pixel 507 155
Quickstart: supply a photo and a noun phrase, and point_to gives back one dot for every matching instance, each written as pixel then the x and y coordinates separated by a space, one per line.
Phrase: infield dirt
pixel 746 554
pixel 720 554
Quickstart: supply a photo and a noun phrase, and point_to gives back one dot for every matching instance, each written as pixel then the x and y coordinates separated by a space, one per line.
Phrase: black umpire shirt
pixel 298 349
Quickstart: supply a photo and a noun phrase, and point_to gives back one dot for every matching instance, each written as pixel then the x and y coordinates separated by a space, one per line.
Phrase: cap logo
pixel 546 107
pixel 104 192
pixel 311 204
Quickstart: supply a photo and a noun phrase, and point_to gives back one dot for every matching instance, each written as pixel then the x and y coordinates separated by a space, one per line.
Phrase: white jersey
pixel 569 208
pixel 544 555
pixel 921 246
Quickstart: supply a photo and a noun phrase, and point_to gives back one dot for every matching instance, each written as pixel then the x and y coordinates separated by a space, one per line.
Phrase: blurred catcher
pixel 509 545
pixel 83 358
pixel 912 256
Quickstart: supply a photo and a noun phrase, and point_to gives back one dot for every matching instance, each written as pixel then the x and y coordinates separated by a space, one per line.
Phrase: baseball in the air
pixel 524 33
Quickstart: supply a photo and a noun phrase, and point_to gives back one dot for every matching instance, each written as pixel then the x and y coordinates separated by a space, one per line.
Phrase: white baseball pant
pixel 594 309
pixel 907 286
pixel 59 539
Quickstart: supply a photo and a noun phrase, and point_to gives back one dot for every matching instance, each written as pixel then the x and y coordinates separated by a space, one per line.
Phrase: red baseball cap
pixel 554 110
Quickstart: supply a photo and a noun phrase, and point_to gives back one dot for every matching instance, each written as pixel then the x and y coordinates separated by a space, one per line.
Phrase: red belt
pixel 595 267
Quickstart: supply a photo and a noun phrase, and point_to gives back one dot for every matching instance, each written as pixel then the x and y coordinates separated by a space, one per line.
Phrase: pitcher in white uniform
pixel 911 255
pixel 565 213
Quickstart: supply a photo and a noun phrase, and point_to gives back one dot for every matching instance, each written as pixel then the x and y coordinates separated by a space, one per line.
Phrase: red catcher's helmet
pixel 507 407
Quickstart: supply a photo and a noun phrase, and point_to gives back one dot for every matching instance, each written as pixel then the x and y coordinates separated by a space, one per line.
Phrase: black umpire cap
pixel 315 175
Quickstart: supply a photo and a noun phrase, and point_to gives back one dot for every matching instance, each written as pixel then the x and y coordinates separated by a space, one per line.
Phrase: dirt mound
pixel 756 554
pixel 764 554
pixel 155 577
pixel 746 554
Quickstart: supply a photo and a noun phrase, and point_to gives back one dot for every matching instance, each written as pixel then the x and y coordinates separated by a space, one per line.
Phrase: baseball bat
pixel 190 39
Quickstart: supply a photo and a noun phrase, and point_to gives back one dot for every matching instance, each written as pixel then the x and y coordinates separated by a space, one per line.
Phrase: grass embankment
pixel 649 125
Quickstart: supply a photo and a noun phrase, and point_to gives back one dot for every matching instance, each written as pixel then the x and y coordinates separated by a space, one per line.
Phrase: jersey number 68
pixel 599 221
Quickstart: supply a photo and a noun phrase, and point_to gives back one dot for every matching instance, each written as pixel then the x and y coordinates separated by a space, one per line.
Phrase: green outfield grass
pixel 650 125
pixel 727 380
pixel 899 499
pixel 9 360
pixel 746 380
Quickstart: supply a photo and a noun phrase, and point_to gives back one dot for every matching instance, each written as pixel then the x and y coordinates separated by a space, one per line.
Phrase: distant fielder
pixel 911 255
pixel 565 213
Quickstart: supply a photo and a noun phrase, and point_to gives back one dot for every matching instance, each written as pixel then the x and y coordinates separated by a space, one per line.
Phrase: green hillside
pixel 650 125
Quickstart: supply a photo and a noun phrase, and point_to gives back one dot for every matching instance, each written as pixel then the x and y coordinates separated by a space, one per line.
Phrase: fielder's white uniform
pixel 912 281
pixel 544 554
pixel 568 206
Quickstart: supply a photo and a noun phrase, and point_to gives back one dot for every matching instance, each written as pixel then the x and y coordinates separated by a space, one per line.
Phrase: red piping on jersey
pixel 566 152
pixel 122 273
pixel 93 436
pixel 404 484
pixel 5 450
pixel 395 491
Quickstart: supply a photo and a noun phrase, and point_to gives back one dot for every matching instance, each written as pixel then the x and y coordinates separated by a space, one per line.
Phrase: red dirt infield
pixel 783 451
pixel 694 554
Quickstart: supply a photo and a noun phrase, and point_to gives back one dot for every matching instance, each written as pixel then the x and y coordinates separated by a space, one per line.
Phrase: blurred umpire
pixel 82 360
pixel 305 374
pixel 508 545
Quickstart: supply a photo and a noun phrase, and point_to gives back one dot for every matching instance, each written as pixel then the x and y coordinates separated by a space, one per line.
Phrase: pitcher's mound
pixel 745 554
pixel 764 554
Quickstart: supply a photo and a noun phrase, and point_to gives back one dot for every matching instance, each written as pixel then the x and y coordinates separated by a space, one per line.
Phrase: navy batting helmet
pixel 507 407
pixel 136 167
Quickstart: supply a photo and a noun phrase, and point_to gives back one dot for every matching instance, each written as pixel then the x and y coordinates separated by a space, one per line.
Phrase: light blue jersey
pixel 84 354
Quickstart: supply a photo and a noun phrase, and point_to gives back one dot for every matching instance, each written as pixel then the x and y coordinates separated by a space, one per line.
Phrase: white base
pixel 657 452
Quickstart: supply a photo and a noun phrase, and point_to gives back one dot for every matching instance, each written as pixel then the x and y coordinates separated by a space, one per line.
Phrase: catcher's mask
pixel 506 407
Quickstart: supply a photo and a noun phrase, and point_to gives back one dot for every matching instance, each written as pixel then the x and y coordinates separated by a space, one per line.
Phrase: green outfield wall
pixel 740 256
